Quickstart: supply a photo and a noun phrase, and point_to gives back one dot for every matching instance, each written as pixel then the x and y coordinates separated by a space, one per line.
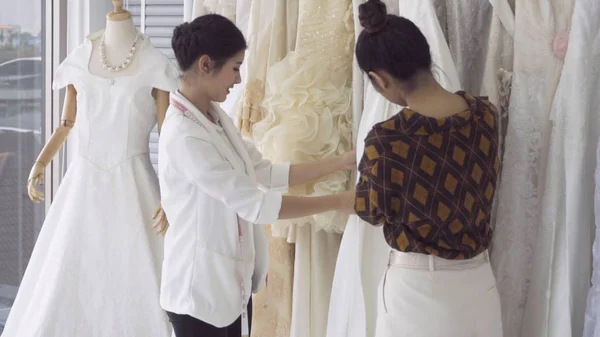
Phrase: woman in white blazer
pixel 217 191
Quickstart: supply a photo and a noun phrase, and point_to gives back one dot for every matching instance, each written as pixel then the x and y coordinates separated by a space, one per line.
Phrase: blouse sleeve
pixel 374 194
pixel 166 77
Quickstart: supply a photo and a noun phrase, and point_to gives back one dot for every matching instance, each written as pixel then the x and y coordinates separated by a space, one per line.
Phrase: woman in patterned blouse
pixel 428 175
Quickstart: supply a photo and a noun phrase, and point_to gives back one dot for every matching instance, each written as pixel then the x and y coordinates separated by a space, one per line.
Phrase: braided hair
pixel 212 35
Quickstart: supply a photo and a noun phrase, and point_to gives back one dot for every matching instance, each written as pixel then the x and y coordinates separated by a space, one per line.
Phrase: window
pixel 157 19
pixel 23 115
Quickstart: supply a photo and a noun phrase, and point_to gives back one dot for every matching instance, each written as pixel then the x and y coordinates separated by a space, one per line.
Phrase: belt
pixel 431 262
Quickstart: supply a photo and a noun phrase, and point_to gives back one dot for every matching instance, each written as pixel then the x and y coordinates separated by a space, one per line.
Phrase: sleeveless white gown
pixel 364 252
pixel 95 269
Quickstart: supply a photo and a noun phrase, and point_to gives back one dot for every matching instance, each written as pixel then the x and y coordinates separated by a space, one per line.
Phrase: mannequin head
pixel 393 52
pixel 209 51
pixel 118 13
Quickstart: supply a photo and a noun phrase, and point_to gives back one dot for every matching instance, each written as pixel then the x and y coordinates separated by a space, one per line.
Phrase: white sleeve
pixel 67 71
pixel 166 75
pixel 274 177
pixel 201 163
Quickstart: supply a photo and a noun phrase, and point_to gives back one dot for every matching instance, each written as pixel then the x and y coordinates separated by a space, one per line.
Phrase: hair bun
pixel 180 30
pixel 372 15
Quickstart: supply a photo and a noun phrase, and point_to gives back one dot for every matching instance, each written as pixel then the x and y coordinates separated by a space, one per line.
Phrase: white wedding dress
pixel 363 253
pixel 561 268
pixel 95 269
pixel 535 79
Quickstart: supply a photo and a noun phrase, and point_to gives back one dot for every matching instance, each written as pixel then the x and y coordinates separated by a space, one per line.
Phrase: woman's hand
pixel 347 161
pixel 309 171
pixel 347 200
pixel 36 176
pixel 160 220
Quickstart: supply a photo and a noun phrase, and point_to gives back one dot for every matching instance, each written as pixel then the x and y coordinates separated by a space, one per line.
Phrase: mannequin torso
pixel 119 36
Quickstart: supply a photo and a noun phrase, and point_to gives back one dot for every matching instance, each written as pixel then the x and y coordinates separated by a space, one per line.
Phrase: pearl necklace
pixel 121 66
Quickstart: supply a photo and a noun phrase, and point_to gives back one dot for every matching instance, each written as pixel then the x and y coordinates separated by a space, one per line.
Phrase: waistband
pixel 432 263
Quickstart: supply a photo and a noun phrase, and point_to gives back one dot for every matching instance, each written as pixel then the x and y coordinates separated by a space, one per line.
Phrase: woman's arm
pixel 297 207
pixel 306 172
pixel 215 177
pixel 162 104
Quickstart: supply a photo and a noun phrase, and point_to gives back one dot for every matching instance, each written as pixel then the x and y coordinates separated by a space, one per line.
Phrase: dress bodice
pixel 115 116
pixel 325 31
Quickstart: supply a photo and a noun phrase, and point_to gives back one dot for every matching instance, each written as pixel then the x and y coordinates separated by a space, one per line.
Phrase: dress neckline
pixel 89 43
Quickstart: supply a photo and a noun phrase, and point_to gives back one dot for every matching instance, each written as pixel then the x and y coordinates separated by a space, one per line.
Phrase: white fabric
pixel 95 269
pixel 468 23
pixel 206 183
pixel 536 75
pixel 497 75
pixel 314 265
pixel 363 253
pixel 425 296
pixel 226 8
pixel 592 313
pixel 561 269
pixel 241 21
pixel 271 34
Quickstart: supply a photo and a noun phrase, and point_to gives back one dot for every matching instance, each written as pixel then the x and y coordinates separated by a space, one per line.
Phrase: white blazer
pixel 208 177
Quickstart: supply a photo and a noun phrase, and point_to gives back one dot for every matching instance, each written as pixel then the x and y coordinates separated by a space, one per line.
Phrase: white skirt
pixel 427 296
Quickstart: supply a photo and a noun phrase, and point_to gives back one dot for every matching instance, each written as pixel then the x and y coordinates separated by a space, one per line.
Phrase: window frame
pixel 53 52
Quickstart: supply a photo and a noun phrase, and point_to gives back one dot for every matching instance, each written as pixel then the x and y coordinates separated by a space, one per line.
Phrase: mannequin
pixel 96 251
pixel 119 36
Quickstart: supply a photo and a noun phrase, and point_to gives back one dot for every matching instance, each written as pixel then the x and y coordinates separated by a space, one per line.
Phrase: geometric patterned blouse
pixel 431 182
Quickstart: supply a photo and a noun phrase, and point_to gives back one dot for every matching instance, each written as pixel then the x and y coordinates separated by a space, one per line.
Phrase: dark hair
pixel 390 43
pixel 212 35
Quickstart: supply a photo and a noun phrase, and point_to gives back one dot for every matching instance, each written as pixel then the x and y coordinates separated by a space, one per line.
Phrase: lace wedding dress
pixel 95 269
pixel 536 74
pixel 561 270
pixel 468 24
pixel 363 252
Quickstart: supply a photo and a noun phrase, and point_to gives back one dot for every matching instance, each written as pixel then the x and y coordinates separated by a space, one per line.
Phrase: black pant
pixel 188 326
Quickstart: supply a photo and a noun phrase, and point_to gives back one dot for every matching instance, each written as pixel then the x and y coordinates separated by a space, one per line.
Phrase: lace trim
pixel 251 111
pixel 349 24
pixel 504 91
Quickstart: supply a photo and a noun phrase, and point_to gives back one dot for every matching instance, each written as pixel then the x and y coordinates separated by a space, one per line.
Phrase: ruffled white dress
pixel 363 253
pixel 95 269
